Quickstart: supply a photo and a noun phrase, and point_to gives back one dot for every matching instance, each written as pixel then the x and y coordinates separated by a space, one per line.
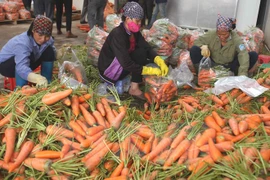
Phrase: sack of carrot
pixel 159 89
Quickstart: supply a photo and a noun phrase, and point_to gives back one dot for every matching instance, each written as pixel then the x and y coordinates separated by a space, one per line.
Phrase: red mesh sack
pixel 12 16
pixel 2 16
pixel 10 7
pixel 24 14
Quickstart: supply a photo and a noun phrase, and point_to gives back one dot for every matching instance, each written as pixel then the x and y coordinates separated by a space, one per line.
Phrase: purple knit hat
pixel 133 10
pixel 224 23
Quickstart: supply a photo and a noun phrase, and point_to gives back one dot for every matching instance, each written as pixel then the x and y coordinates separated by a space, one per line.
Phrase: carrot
pixel 76 127
pixel 161 158
pixel 253 121
pixel 93 161
pixel 48 154
pixel 180 136
pixel 182 158
pixel 84 98
pixel 75 105
pixel 164 143
pixel 144 132
pixel 99 118
pixel 82 123
pixel 28 90
pixel 10 134
pixel 117 178
pixel 245 99
pixel 109 165
pixel 38 147
pixel 117 171
pixel 64 150
pixel 205 161
pixel 98 141
pixel 66 101
pixel 116 122
pixel 125 171
pixel 241 96
pixel 228 137
pixel 265 152
pixel 186 106
pixel 250 155
pixel 6 119
pixel 93 130
pixel 148 145
pixel 243 126
pixel 216 100
pixel 214 152
pixel 211 123
pixel 100 108
pixel 234 126
pixel 170 129
pixel 148 97
pixel 59 131
pixel 265 109
pixel 24 152
pixel 89 118
pixel 208 133
pixel 91 139
pixel 243 135
pixel 220 138
pixel 176 153
pixel 74 145
pixel 51 98
pixel 42 165
pixel 19 170
pixel 94 151
pixel 218 119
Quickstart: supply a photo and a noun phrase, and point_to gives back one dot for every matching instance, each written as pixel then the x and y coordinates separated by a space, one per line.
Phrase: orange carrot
pixel 211 123
pixel 208 133
pixel 59 131
pixel 227 136
pixel 182 158
pixel 6 119
pixel 234 126
pixel 48 154
pixel 214 151
pixel 148 97
pixel 116 122
pixel 109 165
pixel 243 126
pixel 84 98
pixel 117 178
pixel 180 136
pixel 100 108
pixel 265 152
pixel 243 135
pixel 39 164
pixel 216 100
pixel 94 151
pixel 218 119
pixel 24 152
pixel 52 98
pixel 10 134
pixel 75 105
pixel 91 139
pixel 87 116
pixel 99 118
pixel 93 130
pixel 66 101
pixel 148 145
pixel 161 158
pixel 117 171
pixel 76 127
pixel 250 155
pixel 98 141
pixel 186 106
pixel 64 150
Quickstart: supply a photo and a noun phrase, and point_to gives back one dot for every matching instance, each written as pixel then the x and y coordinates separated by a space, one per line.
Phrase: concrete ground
pixel 9 30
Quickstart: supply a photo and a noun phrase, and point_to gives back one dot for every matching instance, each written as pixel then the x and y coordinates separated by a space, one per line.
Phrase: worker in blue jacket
pixel 160 6
pixel 22 54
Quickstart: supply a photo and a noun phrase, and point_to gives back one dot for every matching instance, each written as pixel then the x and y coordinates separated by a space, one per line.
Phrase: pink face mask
pixel 133 27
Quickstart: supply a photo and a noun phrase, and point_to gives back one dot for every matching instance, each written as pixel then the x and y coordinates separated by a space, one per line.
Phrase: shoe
pixel 59 32
pixel 63 26
pixel 70 35
pixel 83 22
pixel 140 97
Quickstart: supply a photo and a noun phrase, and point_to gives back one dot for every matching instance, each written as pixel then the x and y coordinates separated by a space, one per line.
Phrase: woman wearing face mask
pixel 125 51
pixel 25 52
pixel 225 47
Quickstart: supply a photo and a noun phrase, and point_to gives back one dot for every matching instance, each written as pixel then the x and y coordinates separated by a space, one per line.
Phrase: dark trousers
pixel 7 68
pixel 195 55
pixel 27 4
pixel 148 9
pixel 44 6
pixel 59 13
pixel 139 56
pixel 96 12
pixel 84 10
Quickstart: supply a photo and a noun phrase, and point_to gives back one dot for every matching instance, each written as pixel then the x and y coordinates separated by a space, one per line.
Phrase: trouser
pixel 148 9
pixel 44 6
pixel 159 7
pixel 84 10
pixel 195 55
pixel 139 56
pixel 59 13
pixel 27 4
pixel 7 68
pixel 96 12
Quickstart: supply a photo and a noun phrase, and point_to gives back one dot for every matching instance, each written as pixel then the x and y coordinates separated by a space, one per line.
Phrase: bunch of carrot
pixel 159 90
pixel 206 78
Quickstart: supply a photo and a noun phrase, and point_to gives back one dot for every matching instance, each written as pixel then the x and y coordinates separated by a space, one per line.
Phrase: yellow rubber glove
pixel 205 51
pixel 161 63
pixel 37 79
pixel 151 71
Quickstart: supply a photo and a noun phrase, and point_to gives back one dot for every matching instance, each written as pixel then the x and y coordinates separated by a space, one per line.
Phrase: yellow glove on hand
pixel 205 51
pixel 161 63
pixel 37 79
pixel 151 71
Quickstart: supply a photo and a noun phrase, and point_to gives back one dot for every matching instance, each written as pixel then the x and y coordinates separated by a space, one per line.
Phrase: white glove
pixel 37 79
pixel 205 51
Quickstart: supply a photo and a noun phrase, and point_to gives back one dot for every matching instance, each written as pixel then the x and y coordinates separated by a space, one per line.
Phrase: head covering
pixel 42 25
pixel 133 10
pixel 224 23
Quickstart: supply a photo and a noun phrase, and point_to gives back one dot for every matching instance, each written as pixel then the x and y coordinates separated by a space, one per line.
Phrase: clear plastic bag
pixel 206 75
pixel 112 21
pixel 71 71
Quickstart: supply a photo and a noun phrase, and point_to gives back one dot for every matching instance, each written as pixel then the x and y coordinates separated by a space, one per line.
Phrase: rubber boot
pixel 20 82
pixel 47 69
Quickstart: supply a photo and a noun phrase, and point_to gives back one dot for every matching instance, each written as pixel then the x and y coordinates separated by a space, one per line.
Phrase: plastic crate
pixel 9 83
pixel 264 59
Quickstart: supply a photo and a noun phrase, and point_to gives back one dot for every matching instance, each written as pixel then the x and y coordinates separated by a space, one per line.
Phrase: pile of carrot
pixel 93 138
pixel 206 77
pixel 159 89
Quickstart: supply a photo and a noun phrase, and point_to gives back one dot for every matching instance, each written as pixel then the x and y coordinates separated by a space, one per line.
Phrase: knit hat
pixel 133 10
pixel 224 23
pixel 42 25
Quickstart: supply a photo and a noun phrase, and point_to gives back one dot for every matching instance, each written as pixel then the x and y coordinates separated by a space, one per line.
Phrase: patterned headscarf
pixel 42 25
pixel 224 23
pixel 133 10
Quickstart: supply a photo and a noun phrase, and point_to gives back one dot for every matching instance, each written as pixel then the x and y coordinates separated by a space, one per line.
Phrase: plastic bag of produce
pixel 253 39
pixel 71 71
pixel 206 75
pixel 24 14
pixel 94 41
pixel 112 21
pixel 159 89
pixel 173 59
pixel 12 16
pixel 2 16
pixel 1 8
pixel 185 57
pixel 10 7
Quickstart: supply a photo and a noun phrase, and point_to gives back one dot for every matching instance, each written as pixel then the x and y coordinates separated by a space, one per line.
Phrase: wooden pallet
pixel 17 21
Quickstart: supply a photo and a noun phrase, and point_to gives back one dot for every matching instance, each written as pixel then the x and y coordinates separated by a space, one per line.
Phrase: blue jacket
pixel 160 1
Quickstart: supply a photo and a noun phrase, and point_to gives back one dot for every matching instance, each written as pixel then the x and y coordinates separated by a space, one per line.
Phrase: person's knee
pixel 195 54
pixel 253 56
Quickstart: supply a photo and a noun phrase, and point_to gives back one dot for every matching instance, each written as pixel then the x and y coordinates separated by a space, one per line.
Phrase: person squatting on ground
pixel 22 54
pixel 125 52
pixel 225 47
